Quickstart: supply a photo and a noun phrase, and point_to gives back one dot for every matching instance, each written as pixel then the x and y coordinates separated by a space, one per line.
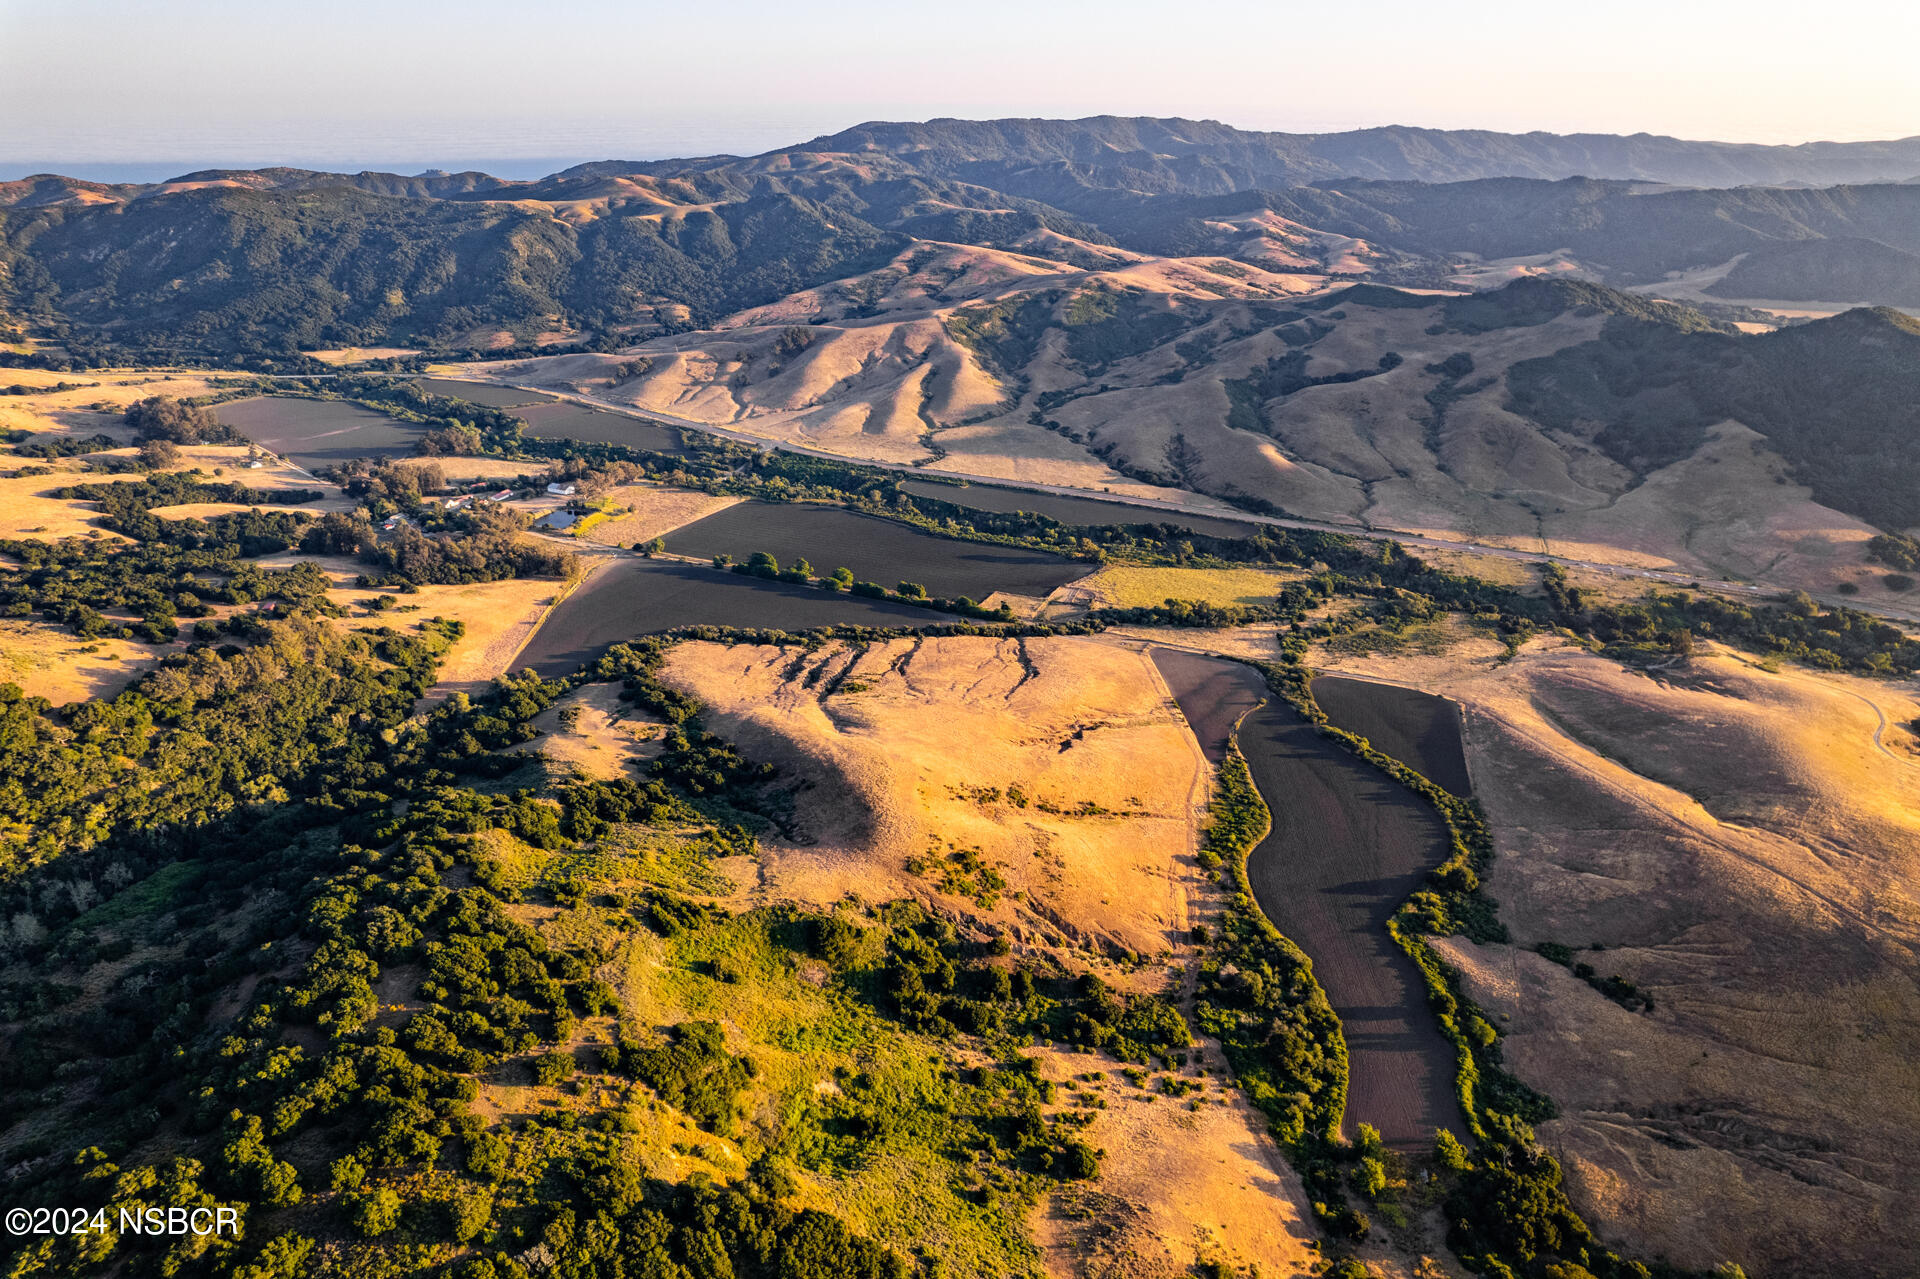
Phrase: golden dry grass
pixel 48 661
pixel 653 510
pixel 609 738
pixel 500 617
pixel 1178 1186
pixel 1133 586
pixel 26 510
pixel 888 387
pixel 1259 643
pixel 1005 449
pixel 465 470
pixel 68 410
pixel 361 354
pixel 913 748
pixel 199 510
pixel 908 765
pixel 1746 853
pixel 1518 574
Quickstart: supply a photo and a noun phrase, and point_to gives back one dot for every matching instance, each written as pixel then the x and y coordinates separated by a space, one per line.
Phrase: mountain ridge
pixel 1393 152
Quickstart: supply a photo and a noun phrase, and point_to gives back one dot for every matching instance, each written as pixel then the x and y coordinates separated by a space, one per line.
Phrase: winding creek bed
pixel 1348 846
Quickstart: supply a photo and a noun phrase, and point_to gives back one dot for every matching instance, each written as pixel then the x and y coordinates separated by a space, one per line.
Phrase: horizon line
pixel 173 168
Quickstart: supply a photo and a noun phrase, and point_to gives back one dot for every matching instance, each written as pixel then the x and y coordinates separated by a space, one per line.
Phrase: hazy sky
pixel 358 83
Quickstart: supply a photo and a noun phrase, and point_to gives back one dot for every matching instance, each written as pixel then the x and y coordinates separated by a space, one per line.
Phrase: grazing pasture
pixel 1072 510
pixel 1146 585
pixel 876 550
pixel 318 433
pixel 636 597
pixel 1418 729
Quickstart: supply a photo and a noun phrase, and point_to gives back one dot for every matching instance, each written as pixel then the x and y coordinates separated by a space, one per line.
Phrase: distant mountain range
pixel 274 260
pixel 1195 156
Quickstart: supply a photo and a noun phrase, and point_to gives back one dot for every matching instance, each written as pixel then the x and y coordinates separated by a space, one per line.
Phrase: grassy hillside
pixel 1839 399
pixel 1603 425
pixel 762 955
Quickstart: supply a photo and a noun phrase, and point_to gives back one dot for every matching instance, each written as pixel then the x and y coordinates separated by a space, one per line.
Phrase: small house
pixel 561 490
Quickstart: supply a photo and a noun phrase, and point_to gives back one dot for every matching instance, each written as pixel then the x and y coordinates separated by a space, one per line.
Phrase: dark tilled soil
pixel 484 394
pixel 1348 846
pixel 565 421
pixel 636 597
pixel 1419 729
pixel 877 550
pixel 1072 510
pixel 1213 695
pixel 318 433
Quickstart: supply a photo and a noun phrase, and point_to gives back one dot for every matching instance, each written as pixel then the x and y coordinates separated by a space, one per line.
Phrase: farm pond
pixel 1348 845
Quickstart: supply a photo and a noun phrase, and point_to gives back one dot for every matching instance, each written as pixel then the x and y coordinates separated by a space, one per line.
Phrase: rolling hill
pixel 455 898
pixel 1135 303
pixel 1549 414
pixel 276 260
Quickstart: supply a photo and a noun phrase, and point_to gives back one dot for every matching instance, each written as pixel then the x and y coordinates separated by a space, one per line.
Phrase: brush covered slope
pixel 1547 415
pixel 862 951
pixel 269 262
pixel 474 1010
